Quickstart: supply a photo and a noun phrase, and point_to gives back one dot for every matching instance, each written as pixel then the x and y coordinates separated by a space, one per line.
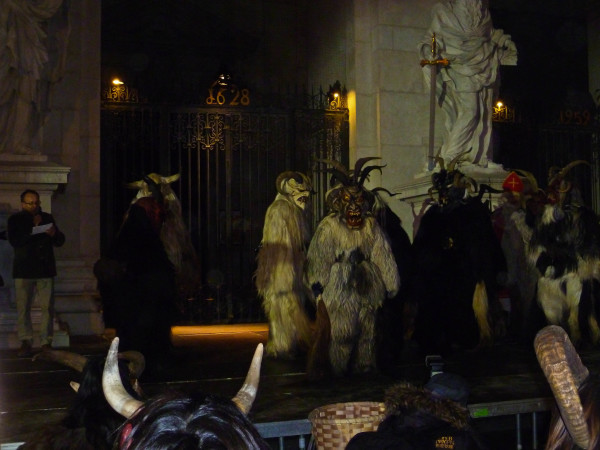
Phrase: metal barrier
pixel 289 428
pixel 302 427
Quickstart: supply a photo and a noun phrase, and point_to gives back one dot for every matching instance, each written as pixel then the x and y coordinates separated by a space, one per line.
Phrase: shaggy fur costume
pixel 357 270
pixel 279 277
pixel 565 249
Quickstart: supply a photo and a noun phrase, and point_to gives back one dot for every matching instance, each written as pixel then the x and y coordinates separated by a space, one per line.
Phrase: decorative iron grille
pixel 228 159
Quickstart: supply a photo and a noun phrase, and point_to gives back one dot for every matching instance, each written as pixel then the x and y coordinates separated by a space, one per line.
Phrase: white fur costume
pixel 281 260
pixel 357 270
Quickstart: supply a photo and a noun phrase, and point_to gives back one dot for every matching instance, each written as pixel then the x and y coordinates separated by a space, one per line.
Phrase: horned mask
pixel 296 186
pixel 348 198
pixel 124 404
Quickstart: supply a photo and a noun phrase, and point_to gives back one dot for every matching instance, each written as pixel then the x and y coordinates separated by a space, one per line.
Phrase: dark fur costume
pixel 415 420
pixel 393 325
pixel 565 251
pixel 456 254
pixel 142 295
pixel 458 261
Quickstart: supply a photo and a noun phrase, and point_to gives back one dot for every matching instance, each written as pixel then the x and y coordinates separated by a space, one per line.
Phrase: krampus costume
pixel 138 282
pixel 565 250
pixel 281 259
pixel 351 260
pixel 519 206
pixel 458 263
pixel 174 233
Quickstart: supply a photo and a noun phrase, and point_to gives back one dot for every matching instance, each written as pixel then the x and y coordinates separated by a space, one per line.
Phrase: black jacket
pixel 34 253
pixel 417 421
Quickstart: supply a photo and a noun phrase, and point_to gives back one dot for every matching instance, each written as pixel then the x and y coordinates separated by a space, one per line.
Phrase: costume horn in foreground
pixel 565 373
pixel 136 364
pixel 124 404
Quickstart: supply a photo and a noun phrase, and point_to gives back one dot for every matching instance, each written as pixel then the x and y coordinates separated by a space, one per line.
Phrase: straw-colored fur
pixel 279 276
pixel 357 270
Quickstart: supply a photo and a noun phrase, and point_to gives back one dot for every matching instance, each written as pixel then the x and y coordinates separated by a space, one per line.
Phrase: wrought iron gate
pixel 228 159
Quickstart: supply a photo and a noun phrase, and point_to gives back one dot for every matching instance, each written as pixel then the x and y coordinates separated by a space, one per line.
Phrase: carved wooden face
pixel 351 204
pixel 299 192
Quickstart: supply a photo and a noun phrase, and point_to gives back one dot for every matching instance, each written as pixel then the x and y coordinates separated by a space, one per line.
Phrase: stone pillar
pixel 17 173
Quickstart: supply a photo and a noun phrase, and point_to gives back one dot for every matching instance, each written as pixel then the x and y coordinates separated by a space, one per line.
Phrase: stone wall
pixel 67 174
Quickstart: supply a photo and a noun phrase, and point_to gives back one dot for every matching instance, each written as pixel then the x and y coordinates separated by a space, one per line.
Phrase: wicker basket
pixel 334 425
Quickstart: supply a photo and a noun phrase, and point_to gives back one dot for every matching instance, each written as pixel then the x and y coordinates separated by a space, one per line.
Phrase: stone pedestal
pixel 415 193
pixel 17 173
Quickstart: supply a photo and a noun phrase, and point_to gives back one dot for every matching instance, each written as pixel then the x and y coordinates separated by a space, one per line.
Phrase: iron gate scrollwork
pixel 228 159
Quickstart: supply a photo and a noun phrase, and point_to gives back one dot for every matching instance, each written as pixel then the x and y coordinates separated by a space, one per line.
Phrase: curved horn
pixel 69 359
pixel 335 164
pixel 171 178
pixel 307 180
pixel 438 159
pixel 246 395
pixel 457 159
pixel 382 189
pixel 565 372
pixel 561 173
pixel 284 176
pixel 572 164
pixel 135 184
pixel 116 395
pixel 365 173
pixel 342 177
pixel 530 177
pixel 567 188
pixel 136 363
pixel 359 165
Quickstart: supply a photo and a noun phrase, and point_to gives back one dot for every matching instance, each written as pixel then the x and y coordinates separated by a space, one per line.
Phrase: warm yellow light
pixel 336 95
pixel 117 82
pixel 499 104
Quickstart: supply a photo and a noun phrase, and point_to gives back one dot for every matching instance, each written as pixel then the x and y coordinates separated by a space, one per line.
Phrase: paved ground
pixel 216 358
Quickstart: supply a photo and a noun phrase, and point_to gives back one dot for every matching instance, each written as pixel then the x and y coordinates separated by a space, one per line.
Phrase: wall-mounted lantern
pixel 336 96
pixel 119 92
pixel 503 112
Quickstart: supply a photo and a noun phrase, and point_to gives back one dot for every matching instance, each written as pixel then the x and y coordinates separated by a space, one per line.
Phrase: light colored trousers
pixel 26 291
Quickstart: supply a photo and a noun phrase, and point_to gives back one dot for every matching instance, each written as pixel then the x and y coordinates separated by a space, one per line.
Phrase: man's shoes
pixel 25 351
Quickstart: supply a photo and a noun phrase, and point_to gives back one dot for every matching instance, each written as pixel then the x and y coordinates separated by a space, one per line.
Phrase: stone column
pixel 17 173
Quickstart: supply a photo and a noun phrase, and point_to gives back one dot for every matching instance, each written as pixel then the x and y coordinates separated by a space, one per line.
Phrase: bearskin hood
pixel 405 399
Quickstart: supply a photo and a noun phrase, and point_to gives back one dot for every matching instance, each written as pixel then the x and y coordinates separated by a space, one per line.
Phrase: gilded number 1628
pixel 238 97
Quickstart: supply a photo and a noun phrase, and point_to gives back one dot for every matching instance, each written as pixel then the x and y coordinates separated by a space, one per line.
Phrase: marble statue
pixel 466 87
pixel 33 38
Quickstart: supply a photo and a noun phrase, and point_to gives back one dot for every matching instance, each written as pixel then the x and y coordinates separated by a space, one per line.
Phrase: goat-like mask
pixel 296 186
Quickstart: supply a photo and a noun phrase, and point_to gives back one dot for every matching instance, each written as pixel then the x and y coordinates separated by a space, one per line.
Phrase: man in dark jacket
pixel 33 234
pixel 432 417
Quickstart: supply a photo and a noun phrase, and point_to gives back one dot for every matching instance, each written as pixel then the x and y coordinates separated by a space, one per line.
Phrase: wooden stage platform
pixel 504 380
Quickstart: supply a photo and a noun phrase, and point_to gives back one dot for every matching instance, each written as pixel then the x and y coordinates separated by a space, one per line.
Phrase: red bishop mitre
pixel 513 182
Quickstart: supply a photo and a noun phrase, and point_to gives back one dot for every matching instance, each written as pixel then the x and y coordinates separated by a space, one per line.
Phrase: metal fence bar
pixel 519 444
pixel 289 428
pixel 302 427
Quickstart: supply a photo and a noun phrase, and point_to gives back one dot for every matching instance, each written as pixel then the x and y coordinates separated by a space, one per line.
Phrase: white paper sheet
pixel 41 228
